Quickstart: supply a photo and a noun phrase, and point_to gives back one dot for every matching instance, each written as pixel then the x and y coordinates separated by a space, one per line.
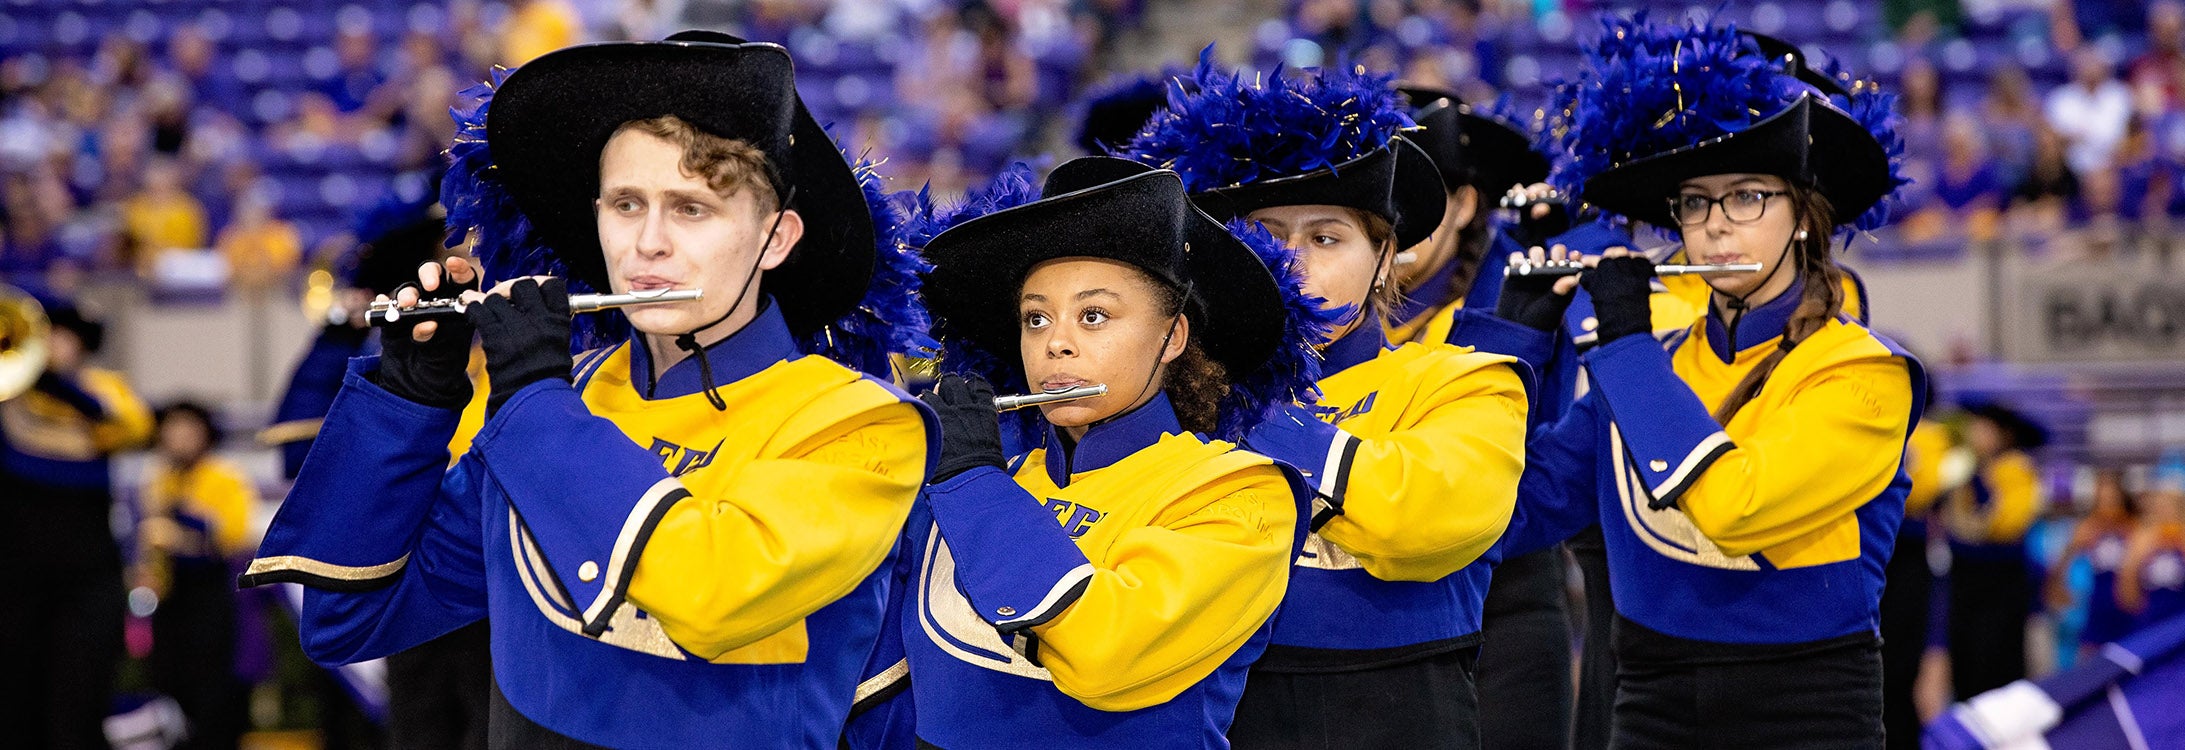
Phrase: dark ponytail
pixel 1820 301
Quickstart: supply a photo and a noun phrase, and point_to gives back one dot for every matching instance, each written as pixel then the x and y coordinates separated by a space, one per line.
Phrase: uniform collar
pixel 758 345
pixel 1111 441
pixel 1757 326
pixel 1427 298
pixel 1360 345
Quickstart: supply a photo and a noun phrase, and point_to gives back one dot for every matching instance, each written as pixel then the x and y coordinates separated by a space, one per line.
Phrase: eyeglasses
pixel 1740 206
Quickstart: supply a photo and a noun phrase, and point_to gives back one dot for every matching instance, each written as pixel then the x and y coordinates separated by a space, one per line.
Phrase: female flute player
pixel 1747 471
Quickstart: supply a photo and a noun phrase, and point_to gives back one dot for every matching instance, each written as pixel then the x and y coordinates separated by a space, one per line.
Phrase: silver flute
pixel 386 312
pixel 1572 268
pixel 1072 393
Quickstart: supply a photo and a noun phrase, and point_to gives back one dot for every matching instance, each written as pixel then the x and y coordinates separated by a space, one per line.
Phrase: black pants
pixel 509 729
pixel 193 654
pixel 1830 698
pixel 58 654
pixel 1904 638
pixel 1525 659
pixel 439 693
pixel 1989 603
pixel 1595 706
pixel 1424 703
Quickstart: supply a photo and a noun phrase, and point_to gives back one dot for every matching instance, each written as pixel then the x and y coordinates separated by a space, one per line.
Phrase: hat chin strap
pixel 1155 372
pixel 688 340
pixel 1738 305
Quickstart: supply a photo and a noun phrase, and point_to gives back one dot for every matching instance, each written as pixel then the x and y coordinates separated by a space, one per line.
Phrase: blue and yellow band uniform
pixel 56 445
pixel 1770 531
pixel 1109 595
pixel 658 573
pixel 1415 460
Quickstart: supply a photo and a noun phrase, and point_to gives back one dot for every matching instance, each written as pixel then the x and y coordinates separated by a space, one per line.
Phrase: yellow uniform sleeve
pixel 1428 497
pixel 780 537
pixel 1177 599
pixel 128 421
pixel 2014 489
pixel 224 497
pixel 1923 462
pixel 1835 446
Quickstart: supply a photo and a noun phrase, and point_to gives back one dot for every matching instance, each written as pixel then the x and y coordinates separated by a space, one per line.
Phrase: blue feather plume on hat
pixel 1290 376
pixel 1222 129
pixel 889 320
pixel 1648 87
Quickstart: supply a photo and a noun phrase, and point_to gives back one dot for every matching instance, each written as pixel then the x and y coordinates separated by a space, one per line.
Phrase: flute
pixel 386 312
pixel 1571 268
pixel 1072 393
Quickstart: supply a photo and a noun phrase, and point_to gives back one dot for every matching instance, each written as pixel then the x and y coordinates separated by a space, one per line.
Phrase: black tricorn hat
pixel 552 117
pixel 1103 207
pixel 1471 147
pixel 1810 142
pixel 1795 63
pixel 1114 116
pixel 2025 433
pixel 1397 181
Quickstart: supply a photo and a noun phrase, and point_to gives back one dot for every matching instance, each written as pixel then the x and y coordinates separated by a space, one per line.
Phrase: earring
pixel 1801 235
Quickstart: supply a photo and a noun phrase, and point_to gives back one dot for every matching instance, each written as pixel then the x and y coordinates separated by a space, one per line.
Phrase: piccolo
pixel 1072 393
pixel 386 312
pixel 1568 268
pixel 1518 198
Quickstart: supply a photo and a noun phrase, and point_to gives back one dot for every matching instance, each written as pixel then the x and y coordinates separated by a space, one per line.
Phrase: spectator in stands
pixel 536 27
pixel 357 77
pixel 2151 579
pixel 33 202
pixel 2101 538
pixel 2090 112
pixel 191 60
pixel 2045 198
pixel 261 249
pixel 162 217
pixel 1004 75
pixel 2009 114
pixel 2074 21
pixel 1920 102
pixel 1919 21
pixel 1968 188
pixel 195 518
pixel 2161 69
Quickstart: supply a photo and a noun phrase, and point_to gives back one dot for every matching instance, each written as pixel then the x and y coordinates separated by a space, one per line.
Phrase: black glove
pixel 66 390
pixel 1531 232
pixel 1620 288
pixel 526 337
pixel 970 427
pixel 1531 301
pixel 435 373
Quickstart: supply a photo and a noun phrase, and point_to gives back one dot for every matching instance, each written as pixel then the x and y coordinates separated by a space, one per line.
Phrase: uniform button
pixel 1658 465
pixel 1590 323
pixel 588 572
pixel 1006 611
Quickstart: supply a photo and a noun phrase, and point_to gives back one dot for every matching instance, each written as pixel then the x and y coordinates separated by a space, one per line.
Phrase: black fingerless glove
pixel 970 427
pixel 1621 288
pixel 1531 301
pixel 525 335
pixel 435 373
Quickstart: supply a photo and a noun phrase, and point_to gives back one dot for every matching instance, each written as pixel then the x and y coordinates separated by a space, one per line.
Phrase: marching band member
pixel 1747 472
pixel 1417 461
pixel 1524 674
pixel 57 442
pixel 649 583
pixel 1110 587
pixel 1987 517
